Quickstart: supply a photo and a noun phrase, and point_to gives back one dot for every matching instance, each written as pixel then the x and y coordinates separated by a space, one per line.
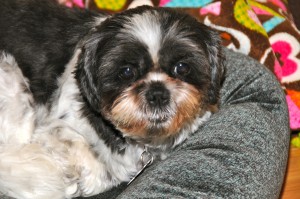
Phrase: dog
pixel 88 100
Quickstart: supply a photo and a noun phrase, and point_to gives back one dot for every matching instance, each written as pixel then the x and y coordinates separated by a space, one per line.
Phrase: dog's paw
pixel 70 179
pixel 72 191
pixel 93 179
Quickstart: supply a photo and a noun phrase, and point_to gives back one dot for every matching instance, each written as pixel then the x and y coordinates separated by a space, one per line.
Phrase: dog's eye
pixel 181 69
pixel 127 73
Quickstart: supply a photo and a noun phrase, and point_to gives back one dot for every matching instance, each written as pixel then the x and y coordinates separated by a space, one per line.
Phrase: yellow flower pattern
pixel 114 5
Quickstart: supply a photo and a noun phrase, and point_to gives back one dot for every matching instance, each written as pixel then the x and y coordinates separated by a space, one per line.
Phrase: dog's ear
pixel 93 47
pixel 86 71
pixel 216 60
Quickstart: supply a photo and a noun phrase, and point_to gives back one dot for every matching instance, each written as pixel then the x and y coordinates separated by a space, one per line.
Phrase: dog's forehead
pixel 146 28
pixel 158 28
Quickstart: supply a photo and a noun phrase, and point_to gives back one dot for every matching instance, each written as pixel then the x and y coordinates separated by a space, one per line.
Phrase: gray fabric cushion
pixel 241 152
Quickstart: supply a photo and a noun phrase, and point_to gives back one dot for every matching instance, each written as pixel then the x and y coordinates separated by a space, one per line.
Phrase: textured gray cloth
pixel 241 152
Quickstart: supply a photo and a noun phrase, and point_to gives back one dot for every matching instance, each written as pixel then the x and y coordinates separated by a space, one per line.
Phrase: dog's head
pixel 151 72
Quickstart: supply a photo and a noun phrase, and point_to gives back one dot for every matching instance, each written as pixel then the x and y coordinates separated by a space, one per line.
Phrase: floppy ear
pixel 216 60
pixel 86 71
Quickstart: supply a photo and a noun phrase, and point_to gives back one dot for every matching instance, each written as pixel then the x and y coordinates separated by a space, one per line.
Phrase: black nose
pixel 158 95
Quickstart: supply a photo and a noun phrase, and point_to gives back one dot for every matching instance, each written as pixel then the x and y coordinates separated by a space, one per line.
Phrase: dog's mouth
pixel 159 116
pixel 159 119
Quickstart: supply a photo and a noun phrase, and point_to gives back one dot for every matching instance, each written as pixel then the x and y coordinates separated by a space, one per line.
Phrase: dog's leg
pixel 93 176
pixel 17 116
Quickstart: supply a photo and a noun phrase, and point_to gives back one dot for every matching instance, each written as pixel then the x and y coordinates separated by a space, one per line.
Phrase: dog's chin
pixel 158 120
pixel 156 132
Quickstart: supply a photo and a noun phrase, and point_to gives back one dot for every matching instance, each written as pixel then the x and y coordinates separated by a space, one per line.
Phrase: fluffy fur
pixel 82 95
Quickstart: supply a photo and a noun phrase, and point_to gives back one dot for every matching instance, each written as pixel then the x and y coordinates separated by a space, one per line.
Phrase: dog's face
pixel 151 72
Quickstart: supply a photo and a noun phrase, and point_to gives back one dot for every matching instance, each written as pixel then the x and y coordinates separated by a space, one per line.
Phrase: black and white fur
pixel 76 93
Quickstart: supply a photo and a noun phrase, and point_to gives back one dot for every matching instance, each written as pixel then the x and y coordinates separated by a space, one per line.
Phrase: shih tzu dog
pixel 87 100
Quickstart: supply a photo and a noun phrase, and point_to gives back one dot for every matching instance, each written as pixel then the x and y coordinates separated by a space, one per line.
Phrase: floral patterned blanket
pixel 262 29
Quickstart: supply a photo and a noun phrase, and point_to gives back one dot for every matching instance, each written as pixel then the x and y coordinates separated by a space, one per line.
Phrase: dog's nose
pixel 158 95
